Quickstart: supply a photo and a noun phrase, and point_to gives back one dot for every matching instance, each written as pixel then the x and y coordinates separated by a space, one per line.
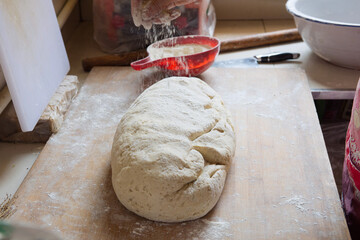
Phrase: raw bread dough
pixel 172 150
pixel 176 51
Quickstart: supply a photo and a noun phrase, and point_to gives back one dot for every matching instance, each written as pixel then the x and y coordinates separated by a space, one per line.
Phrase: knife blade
pixel 266 58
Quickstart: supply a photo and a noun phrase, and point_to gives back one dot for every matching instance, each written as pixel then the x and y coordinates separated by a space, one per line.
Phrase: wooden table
pixel 280 185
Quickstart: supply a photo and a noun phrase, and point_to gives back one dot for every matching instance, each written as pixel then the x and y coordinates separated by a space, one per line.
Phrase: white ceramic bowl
pixel 331 28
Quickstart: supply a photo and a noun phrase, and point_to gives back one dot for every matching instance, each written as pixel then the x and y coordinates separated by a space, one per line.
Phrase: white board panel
pixel 32 56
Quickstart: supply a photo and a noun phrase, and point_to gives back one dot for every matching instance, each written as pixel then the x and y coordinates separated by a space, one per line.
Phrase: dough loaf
pixel 172 150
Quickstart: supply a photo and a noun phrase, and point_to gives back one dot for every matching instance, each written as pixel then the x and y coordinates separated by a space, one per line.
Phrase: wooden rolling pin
pixel 260 39
pixel 249 41
pixel 123 59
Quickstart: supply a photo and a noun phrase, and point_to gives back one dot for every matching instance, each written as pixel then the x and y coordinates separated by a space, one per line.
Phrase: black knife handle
pixel 276 57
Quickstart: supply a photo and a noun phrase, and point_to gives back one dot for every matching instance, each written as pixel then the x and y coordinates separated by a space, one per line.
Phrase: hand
pixel 148 12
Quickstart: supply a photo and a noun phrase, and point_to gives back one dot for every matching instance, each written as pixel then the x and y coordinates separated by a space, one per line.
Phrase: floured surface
pixel 280 184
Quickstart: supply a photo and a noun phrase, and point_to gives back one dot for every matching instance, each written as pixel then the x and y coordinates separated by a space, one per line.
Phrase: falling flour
pixel 214 229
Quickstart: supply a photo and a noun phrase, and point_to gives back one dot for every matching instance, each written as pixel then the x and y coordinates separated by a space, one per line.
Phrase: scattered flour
pixel 140 229
pixel 298 201
pixel 214 229
pixel 303 205
pixel 52 195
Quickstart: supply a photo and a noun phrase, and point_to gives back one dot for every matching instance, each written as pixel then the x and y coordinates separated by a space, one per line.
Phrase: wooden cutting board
pixel 280 185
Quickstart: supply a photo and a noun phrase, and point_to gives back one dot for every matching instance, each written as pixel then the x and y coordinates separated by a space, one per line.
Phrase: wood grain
pixel 260 39
pixel 280 185
pixel 123 59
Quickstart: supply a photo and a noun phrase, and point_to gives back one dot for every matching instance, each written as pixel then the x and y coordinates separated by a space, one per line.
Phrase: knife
pixel 266 58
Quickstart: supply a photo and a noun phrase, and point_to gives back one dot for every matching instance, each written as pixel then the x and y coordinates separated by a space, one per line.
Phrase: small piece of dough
pixel 172 150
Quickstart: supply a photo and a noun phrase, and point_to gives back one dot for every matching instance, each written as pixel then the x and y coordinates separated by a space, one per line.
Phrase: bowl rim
pixel 290 6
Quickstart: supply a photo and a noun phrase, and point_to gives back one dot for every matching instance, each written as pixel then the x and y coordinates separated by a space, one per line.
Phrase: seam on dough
pixel 213 172
pixel 228 120
pixel 186 186
pixel 206 131
pixel 190 183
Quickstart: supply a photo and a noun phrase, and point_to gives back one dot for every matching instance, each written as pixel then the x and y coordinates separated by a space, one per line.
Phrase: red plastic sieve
pixel 187 65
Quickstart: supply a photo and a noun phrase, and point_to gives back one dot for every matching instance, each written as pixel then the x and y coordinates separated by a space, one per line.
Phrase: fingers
pixel 136 12
pixel 153 9
pixel 147 12
pixel 177 3
pixel 167 17
pixel 147 24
